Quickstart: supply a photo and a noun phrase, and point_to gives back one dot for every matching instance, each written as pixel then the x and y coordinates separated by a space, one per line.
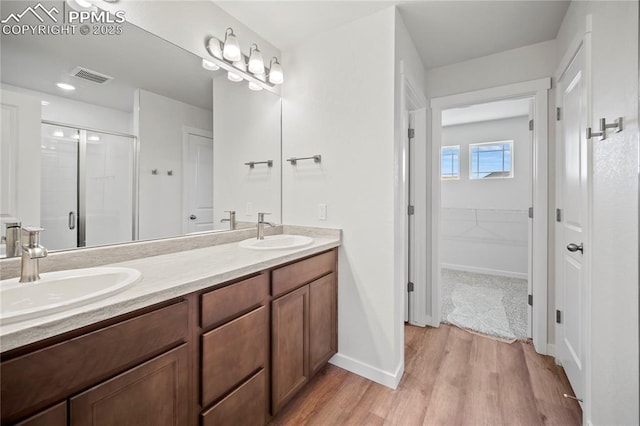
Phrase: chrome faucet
pixel 231 219
pixel 12 239
pixel 31 252
pixel 261 223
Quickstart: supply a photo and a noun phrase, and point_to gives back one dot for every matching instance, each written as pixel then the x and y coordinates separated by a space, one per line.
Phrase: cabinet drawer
pixel 232 352
pixel 36 380
pixel 244 406
pixel 292 276
pixel 223 304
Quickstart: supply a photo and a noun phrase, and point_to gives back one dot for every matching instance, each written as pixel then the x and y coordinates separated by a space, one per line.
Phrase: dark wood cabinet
pixel 289 346
pixel 323 327
pixel 220 356
pixel 154 393
pixel 303 324
pixel 53 416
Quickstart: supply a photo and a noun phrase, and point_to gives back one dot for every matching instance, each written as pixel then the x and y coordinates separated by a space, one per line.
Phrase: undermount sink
pixel 277 242
pixel 57 291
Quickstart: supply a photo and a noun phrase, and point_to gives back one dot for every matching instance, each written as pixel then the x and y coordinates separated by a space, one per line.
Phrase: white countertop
pixel 163 278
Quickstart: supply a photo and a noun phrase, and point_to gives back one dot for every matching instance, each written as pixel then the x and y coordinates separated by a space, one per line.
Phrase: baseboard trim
pixel 487 271
pixel 551 349
pixel 385 378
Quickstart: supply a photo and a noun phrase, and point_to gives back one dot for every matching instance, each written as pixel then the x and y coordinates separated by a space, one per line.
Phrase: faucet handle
pixel 261 216
pixel 32 234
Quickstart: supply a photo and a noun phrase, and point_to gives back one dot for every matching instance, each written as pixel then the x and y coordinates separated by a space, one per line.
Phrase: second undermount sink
pixel 277 242
pixel 57 291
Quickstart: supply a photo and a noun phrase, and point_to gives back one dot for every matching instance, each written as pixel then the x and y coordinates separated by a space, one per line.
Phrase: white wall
pixel 484 221
pixel 246 128
pixel 612 388
pixel 190 25
pixel 512 66
pixel 158 123
pixel 335 103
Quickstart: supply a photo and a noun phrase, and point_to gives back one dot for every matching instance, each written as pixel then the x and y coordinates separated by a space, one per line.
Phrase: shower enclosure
pixel 88 194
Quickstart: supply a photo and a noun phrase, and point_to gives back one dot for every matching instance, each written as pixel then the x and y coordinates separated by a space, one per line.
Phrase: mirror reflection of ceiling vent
pixel 90 75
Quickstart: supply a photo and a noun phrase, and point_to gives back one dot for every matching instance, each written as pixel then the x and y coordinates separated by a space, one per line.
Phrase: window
pixel 450 162
pixel 491 160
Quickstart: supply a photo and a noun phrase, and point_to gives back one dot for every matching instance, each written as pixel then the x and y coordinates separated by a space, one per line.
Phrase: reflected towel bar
pixel 252 164
pixel 315 158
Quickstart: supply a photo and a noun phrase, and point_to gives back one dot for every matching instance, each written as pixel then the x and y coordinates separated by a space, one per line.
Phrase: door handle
pixel 193 217
pixel 572 247
pixel 72 220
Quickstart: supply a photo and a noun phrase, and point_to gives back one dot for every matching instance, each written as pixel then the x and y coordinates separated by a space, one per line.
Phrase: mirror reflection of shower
pixel 87 187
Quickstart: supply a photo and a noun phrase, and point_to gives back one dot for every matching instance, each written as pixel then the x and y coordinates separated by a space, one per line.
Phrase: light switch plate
pixel 322 211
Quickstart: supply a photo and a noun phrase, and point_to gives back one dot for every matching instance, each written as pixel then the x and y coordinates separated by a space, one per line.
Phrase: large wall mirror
pixel 149 143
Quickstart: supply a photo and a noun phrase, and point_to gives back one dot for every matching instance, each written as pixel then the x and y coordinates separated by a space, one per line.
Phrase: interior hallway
pixel 451 377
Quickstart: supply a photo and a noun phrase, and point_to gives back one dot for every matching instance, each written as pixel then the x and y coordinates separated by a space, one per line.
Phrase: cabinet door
pixel 322 322
pixel 154 393
pixel 290 346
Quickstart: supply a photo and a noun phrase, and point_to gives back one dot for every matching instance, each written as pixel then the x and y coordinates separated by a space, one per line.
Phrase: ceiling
pixel 135 58
pixel 471 28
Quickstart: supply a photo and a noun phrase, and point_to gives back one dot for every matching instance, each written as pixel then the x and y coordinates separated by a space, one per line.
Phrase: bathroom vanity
pixel 231 351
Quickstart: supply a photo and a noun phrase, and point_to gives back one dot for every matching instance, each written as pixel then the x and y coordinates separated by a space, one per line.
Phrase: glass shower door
pixel 88 181
pixel 109 183
pixel 59 186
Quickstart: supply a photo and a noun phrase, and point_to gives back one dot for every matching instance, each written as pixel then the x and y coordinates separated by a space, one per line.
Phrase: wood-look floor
pixel 451 377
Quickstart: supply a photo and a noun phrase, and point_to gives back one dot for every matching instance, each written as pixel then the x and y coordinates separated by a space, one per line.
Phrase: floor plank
pixel 451 377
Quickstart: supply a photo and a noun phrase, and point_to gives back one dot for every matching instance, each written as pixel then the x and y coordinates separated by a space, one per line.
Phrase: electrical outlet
pixel 249 208
pixel 322 211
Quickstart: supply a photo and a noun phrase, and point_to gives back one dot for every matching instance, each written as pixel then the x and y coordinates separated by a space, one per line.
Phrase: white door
pixel 572 200
pixel 20 142
pixel 198 181
pixel 530 224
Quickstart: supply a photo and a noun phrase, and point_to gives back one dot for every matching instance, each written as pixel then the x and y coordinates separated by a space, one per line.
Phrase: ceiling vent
pixel 90 75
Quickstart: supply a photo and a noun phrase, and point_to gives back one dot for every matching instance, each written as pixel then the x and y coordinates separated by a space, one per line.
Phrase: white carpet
pixel 483 301
pixel 480 309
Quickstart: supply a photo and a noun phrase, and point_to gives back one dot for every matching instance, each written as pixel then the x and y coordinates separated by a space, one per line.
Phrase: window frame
pixel 511 158
pixel 450 177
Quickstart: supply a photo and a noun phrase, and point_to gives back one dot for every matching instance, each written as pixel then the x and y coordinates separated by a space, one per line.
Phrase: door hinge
pixel 558 114
pixel 530 299
pixel 412 133
pixel 530 212
pixel 410 286
pixel 411 210
pixel 558 215
pixel 558 316
pixel 530 124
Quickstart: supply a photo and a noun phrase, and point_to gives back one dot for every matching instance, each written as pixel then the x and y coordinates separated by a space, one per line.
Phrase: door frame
pixel 537 89
pixel 414 103
pixel 186 131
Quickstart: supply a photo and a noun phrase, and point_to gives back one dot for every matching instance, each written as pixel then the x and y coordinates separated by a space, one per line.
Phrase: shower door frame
pixel 81 185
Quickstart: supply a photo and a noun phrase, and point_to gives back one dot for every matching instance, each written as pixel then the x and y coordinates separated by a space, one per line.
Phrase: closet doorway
pixel 88 187
pixel 489 242
pixel 486 191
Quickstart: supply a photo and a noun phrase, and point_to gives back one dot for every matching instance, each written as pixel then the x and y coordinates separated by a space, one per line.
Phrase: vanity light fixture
pixel 276 75
pixel 94 138
pixel 214 47
pixel 65 86
pixel 58 134
pixel 208 65
pixel 256 63
pixel 255 86
pixel 239 65
pixel 80 5
pixel 231 50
